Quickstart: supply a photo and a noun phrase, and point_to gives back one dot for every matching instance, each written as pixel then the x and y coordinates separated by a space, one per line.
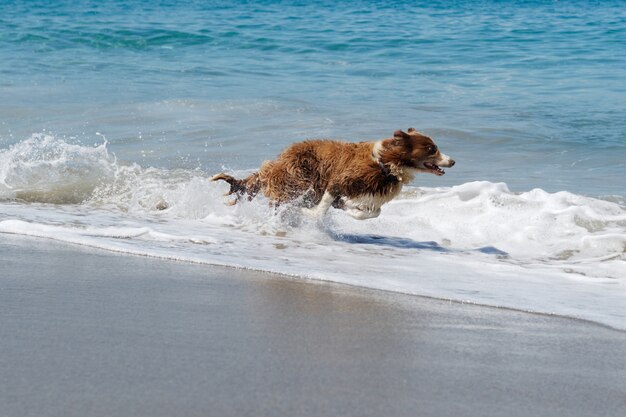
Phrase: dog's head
pixel 412 150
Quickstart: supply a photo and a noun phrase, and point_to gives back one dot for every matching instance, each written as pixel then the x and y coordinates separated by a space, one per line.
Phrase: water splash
pixel 46 169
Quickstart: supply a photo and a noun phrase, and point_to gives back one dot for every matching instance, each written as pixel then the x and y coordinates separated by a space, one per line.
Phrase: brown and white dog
pixel 356 177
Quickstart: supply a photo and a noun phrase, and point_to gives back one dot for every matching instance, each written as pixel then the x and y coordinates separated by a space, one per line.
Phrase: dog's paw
pixel 360 214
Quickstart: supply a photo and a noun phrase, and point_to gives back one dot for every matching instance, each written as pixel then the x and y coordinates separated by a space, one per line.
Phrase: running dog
pixel 356 177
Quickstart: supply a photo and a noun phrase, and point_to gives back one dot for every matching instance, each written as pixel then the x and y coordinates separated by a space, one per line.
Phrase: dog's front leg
pixel 322 207
pixel 360 214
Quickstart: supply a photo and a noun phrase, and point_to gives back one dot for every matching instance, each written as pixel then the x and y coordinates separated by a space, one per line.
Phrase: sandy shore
pixel 86 333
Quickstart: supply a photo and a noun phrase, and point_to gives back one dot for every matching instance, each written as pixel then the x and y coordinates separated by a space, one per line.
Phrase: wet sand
pixel 90 333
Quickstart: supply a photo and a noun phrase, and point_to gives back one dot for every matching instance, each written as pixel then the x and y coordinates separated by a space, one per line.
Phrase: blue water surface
pixel 532 93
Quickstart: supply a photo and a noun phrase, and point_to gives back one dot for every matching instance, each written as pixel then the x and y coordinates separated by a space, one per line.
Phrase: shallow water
pixel 107 109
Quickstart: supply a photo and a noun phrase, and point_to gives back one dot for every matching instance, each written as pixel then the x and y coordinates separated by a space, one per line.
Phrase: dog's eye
pixel 431 149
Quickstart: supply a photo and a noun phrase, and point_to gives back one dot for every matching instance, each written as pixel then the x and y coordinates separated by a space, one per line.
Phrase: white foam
pixel 479 242
pixel 45 169
pixel 530 226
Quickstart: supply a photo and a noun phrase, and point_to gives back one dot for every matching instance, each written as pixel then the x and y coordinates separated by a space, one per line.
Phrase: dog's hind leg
pixel 321 208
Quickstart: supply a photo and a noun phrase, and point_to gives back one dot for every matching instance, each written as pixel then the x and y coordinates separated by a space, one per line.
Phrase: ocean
pixel 109 107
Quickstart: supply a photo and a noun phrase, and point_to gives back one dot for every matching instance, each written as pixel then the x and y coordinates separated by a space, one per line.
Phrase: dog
pixel 355 177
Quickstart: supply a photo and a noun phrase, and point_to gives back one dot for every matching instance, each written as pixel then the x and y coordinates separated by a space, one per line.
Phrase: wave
pixel 529 225
pixel 479 242
pixel 103 38
pixel 49 170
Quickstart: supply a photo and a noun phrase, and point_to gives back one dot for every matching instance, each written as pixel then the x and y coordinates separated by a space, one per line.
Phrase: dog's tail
pixel 249 185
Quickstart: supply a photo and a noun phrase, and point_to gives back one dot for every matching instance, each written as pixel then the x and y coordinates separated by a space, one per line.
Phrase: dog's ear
pixel 399 134
pixel 411 130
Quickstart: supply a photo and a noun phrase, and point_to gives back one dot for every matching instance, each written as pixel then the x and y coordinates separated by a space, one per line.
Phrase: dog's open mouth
pixel 433 168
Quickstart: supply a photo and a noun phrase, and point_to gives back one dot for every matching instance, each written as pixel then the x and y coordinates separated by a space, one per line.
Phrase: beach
pixel 91 333
pixel 129 286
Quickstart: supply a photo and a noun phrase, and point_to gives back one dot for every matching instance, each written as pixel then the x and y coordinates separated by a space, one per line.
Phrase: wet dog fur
pixel 356 177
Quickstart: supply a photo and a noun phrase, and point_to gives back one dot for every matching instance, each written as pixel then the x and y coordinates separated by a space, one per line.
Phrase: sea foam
pixel 49 170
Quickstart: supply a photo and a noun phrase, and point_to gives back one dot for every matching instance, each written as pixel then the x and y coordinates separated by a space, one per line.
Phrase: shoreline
pixel 297 278
pixel 89 332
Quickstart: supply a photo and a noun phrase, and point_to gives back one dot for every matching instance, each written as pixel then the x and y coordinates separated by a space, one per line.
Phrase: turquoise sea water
pixel 531 93
pixel 110 108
